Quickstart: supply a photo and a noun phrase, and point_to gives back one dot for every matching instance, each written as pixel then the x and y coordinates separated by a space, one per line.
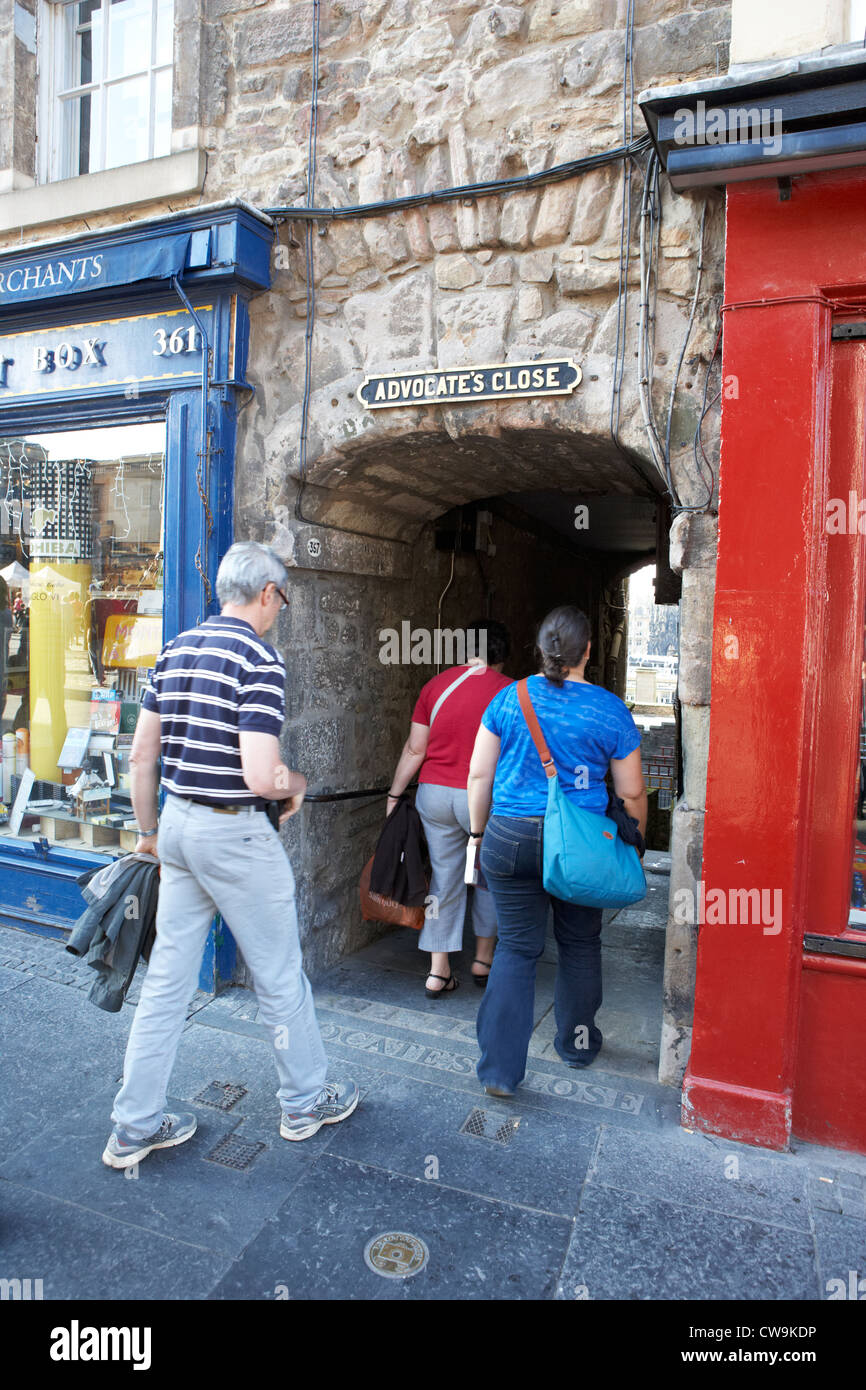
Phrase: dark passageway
pixel 513 557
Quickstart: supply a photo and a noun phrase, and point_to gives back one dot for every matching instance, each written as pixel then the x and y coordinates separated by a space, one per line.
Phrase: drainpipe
pixel 204 452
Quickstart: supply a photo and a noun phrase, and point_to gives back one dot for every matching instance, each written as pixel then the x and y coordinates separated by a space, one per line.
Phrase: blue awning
pixel 27 279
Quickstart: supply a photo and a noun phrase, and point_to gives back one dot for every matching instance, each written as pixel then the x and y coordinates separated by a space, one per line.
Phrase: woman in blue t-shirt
pixel 588 731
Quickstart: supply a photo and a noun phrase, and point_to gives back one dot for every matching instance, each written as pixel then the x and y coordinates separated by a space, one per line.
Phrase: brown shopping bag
pixel 375 908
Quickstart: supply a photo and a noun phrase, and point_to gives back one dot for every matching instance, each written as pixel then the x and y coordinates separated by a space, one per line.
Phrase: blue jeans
pixel 511 860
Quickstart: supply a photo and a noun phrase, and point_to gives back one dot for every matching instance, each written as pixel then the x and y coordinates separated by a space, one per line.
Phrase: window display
pixel 81 564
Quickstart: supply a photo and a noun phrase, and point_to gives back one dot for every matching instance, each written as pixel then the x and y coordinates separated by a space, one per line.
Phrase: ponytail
pixel 563 637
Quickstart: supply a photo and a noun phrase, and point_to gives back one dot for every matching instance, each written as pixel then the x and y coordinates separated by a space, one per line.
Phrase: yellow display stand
pixel 60 677
pixel 131 640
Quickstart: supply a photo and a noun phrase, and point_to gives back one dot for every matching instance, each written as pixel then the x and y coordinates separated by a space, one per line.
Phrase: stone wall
pixel 17 88
pixel 413 98
pixel 420 97
pixel 693 554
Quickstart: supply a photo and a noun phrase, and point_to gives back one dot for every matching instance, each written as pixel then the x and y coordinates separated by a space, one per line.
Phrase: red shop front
pixel 779 1041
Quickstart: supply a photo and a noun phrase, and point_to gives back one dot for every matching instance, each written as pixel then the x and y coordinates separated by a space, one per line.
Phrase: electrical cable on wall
pixel 310 214
pixel 439 605
pixel 309 253
pixel 648 217
pixel 698 442
pixel 629 153
pixel 491 188
pixel 634 150
pixel 679 507
pixel 624 236
pixel 649 253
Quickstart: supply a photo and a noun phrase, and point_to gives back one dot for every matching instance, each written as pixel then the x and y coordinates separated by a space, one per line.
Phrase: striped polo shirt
pixel 208 684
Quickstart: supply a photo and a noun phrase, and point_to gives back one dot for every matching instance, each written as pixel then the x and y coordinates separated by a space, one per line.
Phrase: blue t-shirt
pixel 584 726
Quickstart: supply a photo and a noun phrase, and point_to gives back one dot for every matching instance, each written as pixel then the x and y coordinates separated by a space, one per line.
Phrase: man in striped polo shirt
pixel 212 715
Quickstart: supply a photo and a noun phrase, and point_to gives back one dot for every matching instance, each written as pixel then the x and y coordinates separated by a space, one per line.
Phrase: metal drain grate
pixel 482 1124
pixel 222 1095
pixel 232 1152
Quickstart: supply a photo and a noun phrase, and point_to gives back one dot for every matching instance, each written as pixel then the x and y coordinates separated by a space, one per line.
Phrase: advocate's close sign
pixel 493 381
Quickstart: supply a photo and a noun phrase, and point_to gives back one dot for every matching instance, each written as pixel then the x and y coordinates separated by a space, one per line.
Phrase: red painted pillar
pixel 740 1074
pixel 779 1030
pixel 766 648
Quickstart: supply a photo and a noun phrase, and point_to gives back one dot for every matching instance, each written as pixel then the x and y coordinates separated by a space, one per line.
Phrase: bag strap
pixel 470 671
pixel 535 728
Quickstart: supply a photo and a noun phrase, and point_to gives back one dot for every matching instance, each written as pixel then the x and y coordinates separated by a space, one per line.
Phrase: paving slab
pixel 630 1047
pixel 10 979
pixel 841 1247
pixel 824 1160
pixel 437 1023
pixel 840 1190
pixel 83 1254
pixel 703 1171
pixel 627 1246
pixel 208 1055
pixel 478 1249
pixel 65 1049
pixel 178 1192
pixel 476 1144
pixel 586 1093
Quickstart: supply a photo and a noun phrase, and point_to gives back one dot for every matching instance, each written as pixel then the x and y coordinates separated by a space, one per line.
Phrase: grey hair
pixel 245 569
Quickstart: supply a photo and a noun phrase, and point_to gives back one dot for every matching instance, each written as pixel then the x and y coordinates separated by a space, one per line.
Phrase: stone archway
pixel 505 289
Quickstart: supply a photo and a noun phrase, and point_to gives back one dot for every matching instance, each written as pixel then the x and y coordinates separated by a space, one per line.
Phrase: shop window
pixel 110 94
pixel 81 600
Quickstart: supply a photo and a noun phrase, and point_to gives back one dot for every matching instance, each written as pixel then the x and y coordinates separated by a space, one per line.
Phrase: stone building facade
pixel 411 99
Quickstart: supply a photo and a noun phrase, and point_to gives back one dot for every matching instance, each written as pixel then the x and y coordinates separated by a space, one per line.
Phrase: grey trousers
pixel 444 813
pixel 237 866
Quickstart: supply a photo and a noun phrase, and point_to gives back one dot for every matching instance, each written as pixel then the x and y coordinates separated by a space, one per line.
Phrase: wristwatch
pixel 148 834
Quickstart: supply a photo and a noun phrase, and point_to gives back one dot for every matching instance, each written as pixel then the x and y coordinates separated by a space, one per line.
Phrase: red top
pixel 452 737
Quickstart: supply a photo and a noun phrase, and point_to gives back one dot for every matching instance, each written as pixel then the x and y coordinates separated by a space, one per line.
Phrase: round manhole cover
pixel 396 1255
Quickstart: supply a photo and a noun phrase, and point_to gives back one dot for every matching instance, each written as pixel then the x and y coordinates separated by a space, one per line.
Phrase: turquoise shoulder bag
pixel 585 861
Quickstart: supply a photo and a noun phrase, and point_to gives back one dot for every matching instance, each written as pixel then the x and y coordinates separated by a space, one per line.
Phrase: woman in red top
pixel 441 738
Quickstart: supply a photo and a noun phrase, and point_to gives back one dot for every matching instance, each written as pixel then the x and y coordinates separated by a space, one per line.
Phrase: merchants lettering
pixel 24 279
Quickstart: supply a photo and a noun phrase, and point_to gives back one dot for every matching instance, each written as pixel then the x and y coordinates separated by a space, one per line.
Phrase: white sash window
pixel 110 74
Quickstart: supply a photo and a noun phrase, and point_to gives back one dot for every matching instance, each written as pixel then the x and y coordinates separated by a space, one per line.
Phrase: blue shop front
pixel 122 366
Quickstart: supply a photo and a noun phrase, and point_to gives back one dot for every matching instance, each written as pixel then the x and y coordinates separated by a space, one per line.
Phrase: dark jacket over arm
pixel 398 864
pixel 118 928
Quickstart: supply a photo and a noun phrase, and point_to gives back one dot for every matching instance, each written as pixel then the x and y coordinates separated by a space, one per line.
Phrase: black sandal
pixel 481 980
pixel 435 993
